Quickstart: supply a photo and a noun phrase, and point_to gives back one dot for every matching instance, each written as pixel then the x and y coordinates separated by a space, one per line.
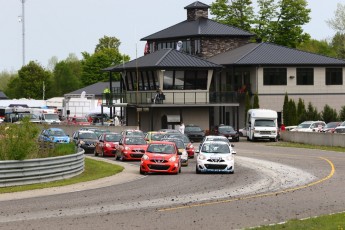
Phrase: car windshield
pixel 215 148
pixel 264 123
pixel 58 133
pixel 217 139
pixel 332 125
pixel 157 136
pixel 193 129
pixel 134 133
pixel 179 143
pixel 161 148
pixel 304 125
pixel 113 137
pixel 87 136
pixel 226 129
pixel 135 141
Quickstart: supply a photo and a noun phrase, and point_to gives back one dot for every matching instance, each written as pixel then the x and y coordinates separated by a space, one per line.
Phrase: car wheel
pixel 197 170
pixel 95 152
pixel 141 172
pixel 232 172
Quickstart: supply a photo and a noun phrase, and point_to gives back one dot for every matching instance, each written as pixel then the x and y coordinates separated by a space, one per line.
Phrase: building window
pixel 185 80
pixel 147 80
pixel 305 76
pixel 275 76
pixel 334 76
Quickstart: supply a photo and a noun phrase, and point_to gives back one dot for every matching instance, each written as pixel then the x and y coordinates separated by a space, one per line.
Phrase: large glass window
pixel 191 79
pixel 275 76
pixel 334 76
pixel 305 76
pixel 147 80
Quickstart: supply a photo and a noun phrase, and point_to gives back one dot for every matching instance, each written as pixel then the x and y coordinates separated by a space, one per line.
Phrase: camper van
pixel 262 124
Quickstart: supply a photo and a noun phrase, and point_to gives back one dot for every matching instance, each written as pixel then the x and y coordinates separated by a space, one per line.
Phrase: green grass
pixel 329 222
pixel 93 170
pixel 307 146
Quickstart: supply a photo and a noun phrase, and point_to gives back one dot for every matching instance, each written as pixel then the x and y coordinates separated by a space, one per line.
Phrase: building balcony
pixel 148 98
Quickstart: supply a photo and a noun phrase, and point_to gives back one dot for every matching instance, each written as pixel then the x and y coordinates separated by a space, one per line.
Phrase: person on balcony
pixel 159 97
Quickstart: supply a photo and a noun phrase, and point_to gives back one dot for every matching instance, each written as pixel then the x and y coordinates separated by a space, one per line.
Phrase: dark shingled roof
pixel 165 58
pixel 197 5
pixel 200 27
pixel 96 88
pixel 272 54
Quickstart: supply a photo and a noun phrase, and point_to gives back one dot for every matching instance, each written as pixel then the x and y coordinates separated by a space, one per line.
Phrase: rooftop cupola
pixel 197 10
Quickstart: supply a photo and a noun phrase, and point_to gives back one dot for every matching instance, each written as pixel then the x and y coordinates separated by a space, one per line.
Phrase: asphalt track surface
pixel 270 185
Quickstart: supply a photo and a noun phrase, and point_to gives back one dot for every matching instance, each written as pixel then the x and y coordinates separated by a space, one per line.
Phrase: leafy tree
pixel 256 101
pixel 52 63
pixel 342 113
pixel 312 113
pixel 338 44
pixel 292 112
pixel 286 109
pixel 107 54
pixel 328 114
pixel 238 13
pixel 67 76
pixel 13 90
pixel 320 47
pixel 5 78
pixel 287 29
pixel 338 22
pixel 280 23
pixel 108 43
pixel 301 111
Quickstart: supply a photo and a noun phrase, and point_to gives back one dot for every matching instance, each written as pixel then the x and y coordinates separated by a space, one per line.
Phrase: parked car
pixel 107 144
pixel 86 140
pixel 181 149
pixel 217 138
pixel 194 132
pixel 187 142
pixel 215 156
pixel 330 127
pixel 131 148
pixel 310 126
pixel 243 132
pixel 54 135
pixel 77 121
pixel 169 131
pixel 229 132
pixel 154 136
pixel 161 157
pixel 340 128
pixel 133 132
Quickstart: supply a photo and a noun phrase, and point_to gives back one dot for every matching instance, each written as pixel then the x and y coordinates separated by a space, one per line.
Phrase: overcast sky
pixel 60 27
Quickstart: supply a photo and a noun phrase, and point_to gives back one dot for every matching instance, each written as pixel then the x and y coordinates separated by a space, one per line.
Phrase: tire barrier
pixel 41 170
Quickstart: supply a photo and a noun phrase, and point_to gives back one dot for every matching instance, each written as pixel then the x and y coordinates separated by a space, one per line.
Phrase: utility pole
pixel 22 20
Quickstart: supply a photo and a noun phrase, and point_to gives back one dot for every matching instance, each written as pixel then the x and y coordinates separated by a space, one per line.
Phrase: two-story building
pixel 204 68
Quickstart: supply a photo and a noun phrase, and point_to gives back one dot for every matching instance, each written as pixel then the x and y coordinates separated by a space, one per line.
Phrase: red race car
pixel 131 148
pixel 107 144
pixel 161 157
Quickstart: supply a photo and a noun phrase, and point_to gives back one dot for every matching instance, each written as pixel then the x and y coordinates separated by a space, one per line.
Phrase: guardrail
pixel 40 170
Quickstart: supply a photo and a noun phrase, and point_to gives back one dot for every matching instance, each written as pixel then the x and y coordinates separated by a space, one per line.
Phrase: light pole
pixel 22 20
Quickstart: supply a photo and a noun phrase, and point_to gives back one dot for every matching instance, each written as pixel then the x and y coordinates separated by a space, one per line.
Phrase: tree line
pixel 61 77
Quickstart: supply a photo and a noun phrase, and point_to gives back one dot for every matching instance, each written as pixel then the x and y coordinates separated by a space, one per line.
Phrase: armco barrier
pixel 314 138
pixel 40 170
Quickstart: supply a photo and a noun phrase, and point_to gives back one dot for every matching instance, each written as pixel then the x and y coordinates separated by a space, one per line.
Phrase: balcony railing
pixel 194 97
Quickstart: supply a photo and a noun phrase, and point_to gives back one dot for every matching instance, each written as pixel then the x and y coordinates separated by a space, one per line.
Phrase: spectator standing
pixel 181 128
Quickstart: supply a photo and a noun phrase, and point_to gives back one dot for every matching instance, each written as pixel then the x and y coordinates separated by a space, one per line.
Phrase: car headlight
pixel 229 158
pixel 145 157
pixel 172 159
pixel 202 157
pixel 191 146
pixel 107 145
pixel 127 148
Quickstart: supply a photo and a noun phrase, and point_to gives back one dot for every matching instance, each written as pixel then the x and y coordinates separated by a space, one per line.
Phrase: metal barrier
pixel 41 170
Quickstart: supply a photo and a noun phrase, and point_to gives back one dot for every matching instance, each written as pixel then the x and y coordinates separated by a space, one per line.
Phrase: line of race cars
pixel 162 151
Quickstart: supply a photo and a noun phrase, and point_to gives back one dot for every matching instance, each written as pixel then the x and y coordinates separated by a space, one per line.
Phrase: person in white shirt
pixel 181 128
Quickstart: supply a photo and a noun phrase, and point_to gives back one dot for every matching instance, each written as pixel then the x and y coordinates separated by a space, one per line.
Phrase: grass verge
pixel 330 222
pixel 307 146
pixel 103 169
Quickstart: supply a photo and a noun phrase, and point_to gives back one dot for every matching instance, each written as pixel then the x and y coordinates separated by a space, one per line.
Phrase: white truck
pixel 262 124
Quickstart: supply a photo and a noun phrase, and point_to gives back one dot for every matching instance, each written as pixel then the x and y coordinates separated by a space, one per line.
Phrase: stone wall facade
pixel 211 46
pixel 194 14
